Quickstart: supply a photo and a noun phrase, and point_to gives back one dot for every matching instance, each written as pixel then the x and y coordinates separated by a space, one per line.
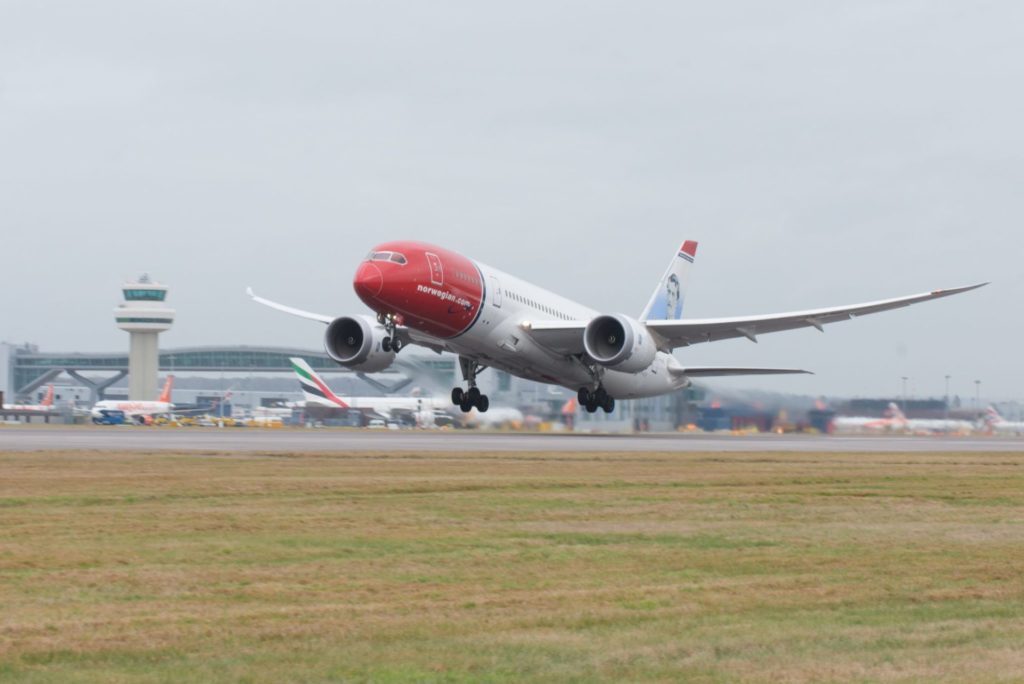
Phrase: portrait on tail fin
pixel 666 304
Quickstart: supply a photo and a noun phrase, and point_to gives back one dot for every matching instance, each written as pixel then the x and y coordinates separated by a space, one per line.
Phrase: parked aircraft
pixel 136 411
pixel 423 409
pixel 888 423
pixel 944 425
pixel 427 295
pixel 996 423
pixel 44 406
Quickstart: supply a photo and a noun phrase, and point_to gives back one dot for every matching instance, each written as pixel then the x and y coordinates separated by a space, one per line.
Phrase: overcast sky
pixel 821 153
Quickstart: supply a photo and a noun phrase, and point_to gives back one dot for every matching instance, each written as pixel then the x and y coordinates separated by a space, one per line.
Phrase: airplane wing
pixel 288 309
pixel 720 371
pixel 682 333
pixel 400 331
pixel 567 337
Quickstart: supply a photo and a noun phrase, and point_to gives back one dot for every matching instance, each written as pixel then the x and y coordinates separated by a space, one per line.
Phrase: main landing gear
pixel 592 400
pixel 391 342
pixel 471 398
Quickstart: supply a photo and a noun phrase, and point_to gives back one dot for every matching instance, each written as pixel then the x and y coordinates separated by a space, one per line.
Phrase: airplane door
pixel 436 270
pixel 495 292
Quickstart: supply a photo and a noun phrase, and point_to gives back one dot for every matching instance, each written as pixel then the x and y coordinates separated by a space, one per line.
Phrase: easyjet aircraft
pixel 45 406
pixel 436 298
pixel 138 411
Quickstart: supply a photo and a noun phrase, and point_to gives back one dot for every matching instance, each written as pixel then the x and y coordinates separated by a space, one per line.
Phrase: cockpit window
pixel 393 257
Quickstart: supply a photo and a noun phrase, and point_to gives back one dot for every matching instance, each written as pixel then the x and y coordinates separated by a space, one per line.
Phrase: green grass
pixel 511 567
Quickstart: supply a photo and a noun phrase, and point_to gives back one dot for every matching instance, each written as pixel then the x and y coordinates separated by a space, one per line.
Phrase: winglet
pixel 301 313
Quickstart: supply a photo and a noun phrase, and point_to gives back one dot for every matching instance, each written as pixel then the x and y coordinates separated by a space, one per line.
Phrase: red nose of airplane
pixel 368 281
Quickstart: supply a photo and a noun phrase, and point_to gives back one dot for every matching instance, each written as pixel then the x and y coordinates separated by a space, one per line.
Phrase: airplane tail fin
pixel 48 399
pixel 165 393
pixel 666 303
pixel 313 388
pixel 992 416
pixel 895 413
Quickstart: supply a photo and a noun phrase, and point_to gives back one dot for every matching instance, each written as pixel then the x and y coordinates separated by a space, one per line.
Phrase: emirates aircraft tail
pixel 314 389
pixel 165 393
pixel 666 303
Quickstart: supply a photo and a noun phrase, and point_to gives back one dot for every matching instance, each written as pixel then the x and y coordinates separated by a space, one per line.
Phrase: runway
pixel 130 438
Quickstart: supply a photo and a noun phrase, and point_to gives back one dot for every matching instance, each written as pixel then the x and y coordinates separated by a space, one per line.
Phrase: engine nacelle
pixel 355 342
pixel 620 343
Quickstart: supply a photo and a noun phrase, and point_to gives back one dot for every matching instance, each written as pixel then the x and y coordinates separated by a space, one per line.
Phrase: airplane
pixel 317 393
pixel 433 297
pixel 996 423
pixel 44 406
pixel 900 421
pixel 867 423
pixel 141 412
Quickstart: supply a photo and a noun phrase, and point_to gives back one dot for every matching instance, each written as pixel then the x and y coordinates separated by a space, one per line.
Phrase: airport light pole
pixel 947 397
pixel 904 378
pixel 977 394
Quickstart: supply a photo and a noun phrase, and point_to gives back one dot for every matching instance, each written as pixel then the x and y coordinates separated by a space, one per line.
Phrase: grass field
pixel 511 567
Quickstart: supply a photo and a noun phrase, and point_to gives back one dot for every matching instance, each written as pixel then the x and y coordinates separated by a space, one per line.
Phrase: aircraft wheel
pixel 609 404
pixel 483 403
pixel 583 396
pixel 396 345
pixel 599 396
pixel 473 396
pixel 457 395
pixel 466 405
pixel 385 344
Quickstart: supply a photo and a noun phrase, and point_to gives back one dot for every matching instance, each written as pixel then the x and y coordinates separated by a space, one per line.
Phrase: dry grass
pixel 511 567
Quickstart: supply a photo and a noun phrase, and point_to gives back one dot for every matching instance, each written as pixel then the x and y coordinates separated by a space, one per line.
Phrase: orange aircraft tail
pixel 165 393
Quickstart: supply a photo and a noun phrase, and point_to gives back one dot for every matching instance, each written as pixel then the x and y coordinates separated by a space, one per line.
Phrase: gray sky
pixel 822 153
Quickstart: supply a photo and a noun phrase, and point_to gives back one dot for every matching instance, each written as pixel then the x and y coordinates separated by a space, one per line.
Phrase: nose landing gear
pixel 592 400
pixel 467 400
pixel 391 342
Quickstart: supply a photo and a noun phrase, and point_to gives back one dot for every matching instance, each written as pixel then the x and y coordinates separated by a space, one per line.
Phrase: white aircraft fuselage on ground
pixel 44 406
pixel 436 298
pixel 138 410
pixel 317 393
pixel 996 423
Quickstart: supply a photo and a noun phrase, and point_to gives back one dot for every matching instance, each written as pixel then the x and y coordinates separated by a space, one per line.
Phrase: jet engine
pixel 619 342
pixel 355 342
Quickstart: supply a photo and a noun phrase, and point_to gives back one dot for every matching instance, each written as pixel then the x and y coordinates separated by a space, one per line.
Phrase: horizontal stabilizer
pixel 718 371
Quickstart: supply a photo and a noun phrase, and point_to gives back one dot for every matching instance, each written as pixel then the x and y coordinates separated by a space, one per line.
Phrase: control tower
pixel 144 316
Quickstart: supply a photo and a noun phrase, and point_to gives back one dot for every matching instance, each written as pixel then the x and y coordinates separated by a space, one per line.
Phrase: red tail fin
pixel 48 400
pixel 165 394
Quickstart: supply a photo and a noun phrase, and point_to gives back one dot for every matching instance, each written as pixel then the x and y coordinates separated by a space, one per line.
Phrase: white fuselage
pixel 498 339
pixel 133 409
pixel 1008 427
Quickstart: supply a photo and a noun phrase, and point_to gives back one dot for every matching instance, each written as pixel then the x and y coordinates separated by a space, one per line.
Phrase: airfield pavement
pixel 39 437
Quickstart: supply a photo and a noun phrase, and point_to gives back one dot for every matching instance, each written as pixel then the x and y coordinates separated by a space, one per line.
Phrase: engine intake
pixel 355 342
pixel 619 342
